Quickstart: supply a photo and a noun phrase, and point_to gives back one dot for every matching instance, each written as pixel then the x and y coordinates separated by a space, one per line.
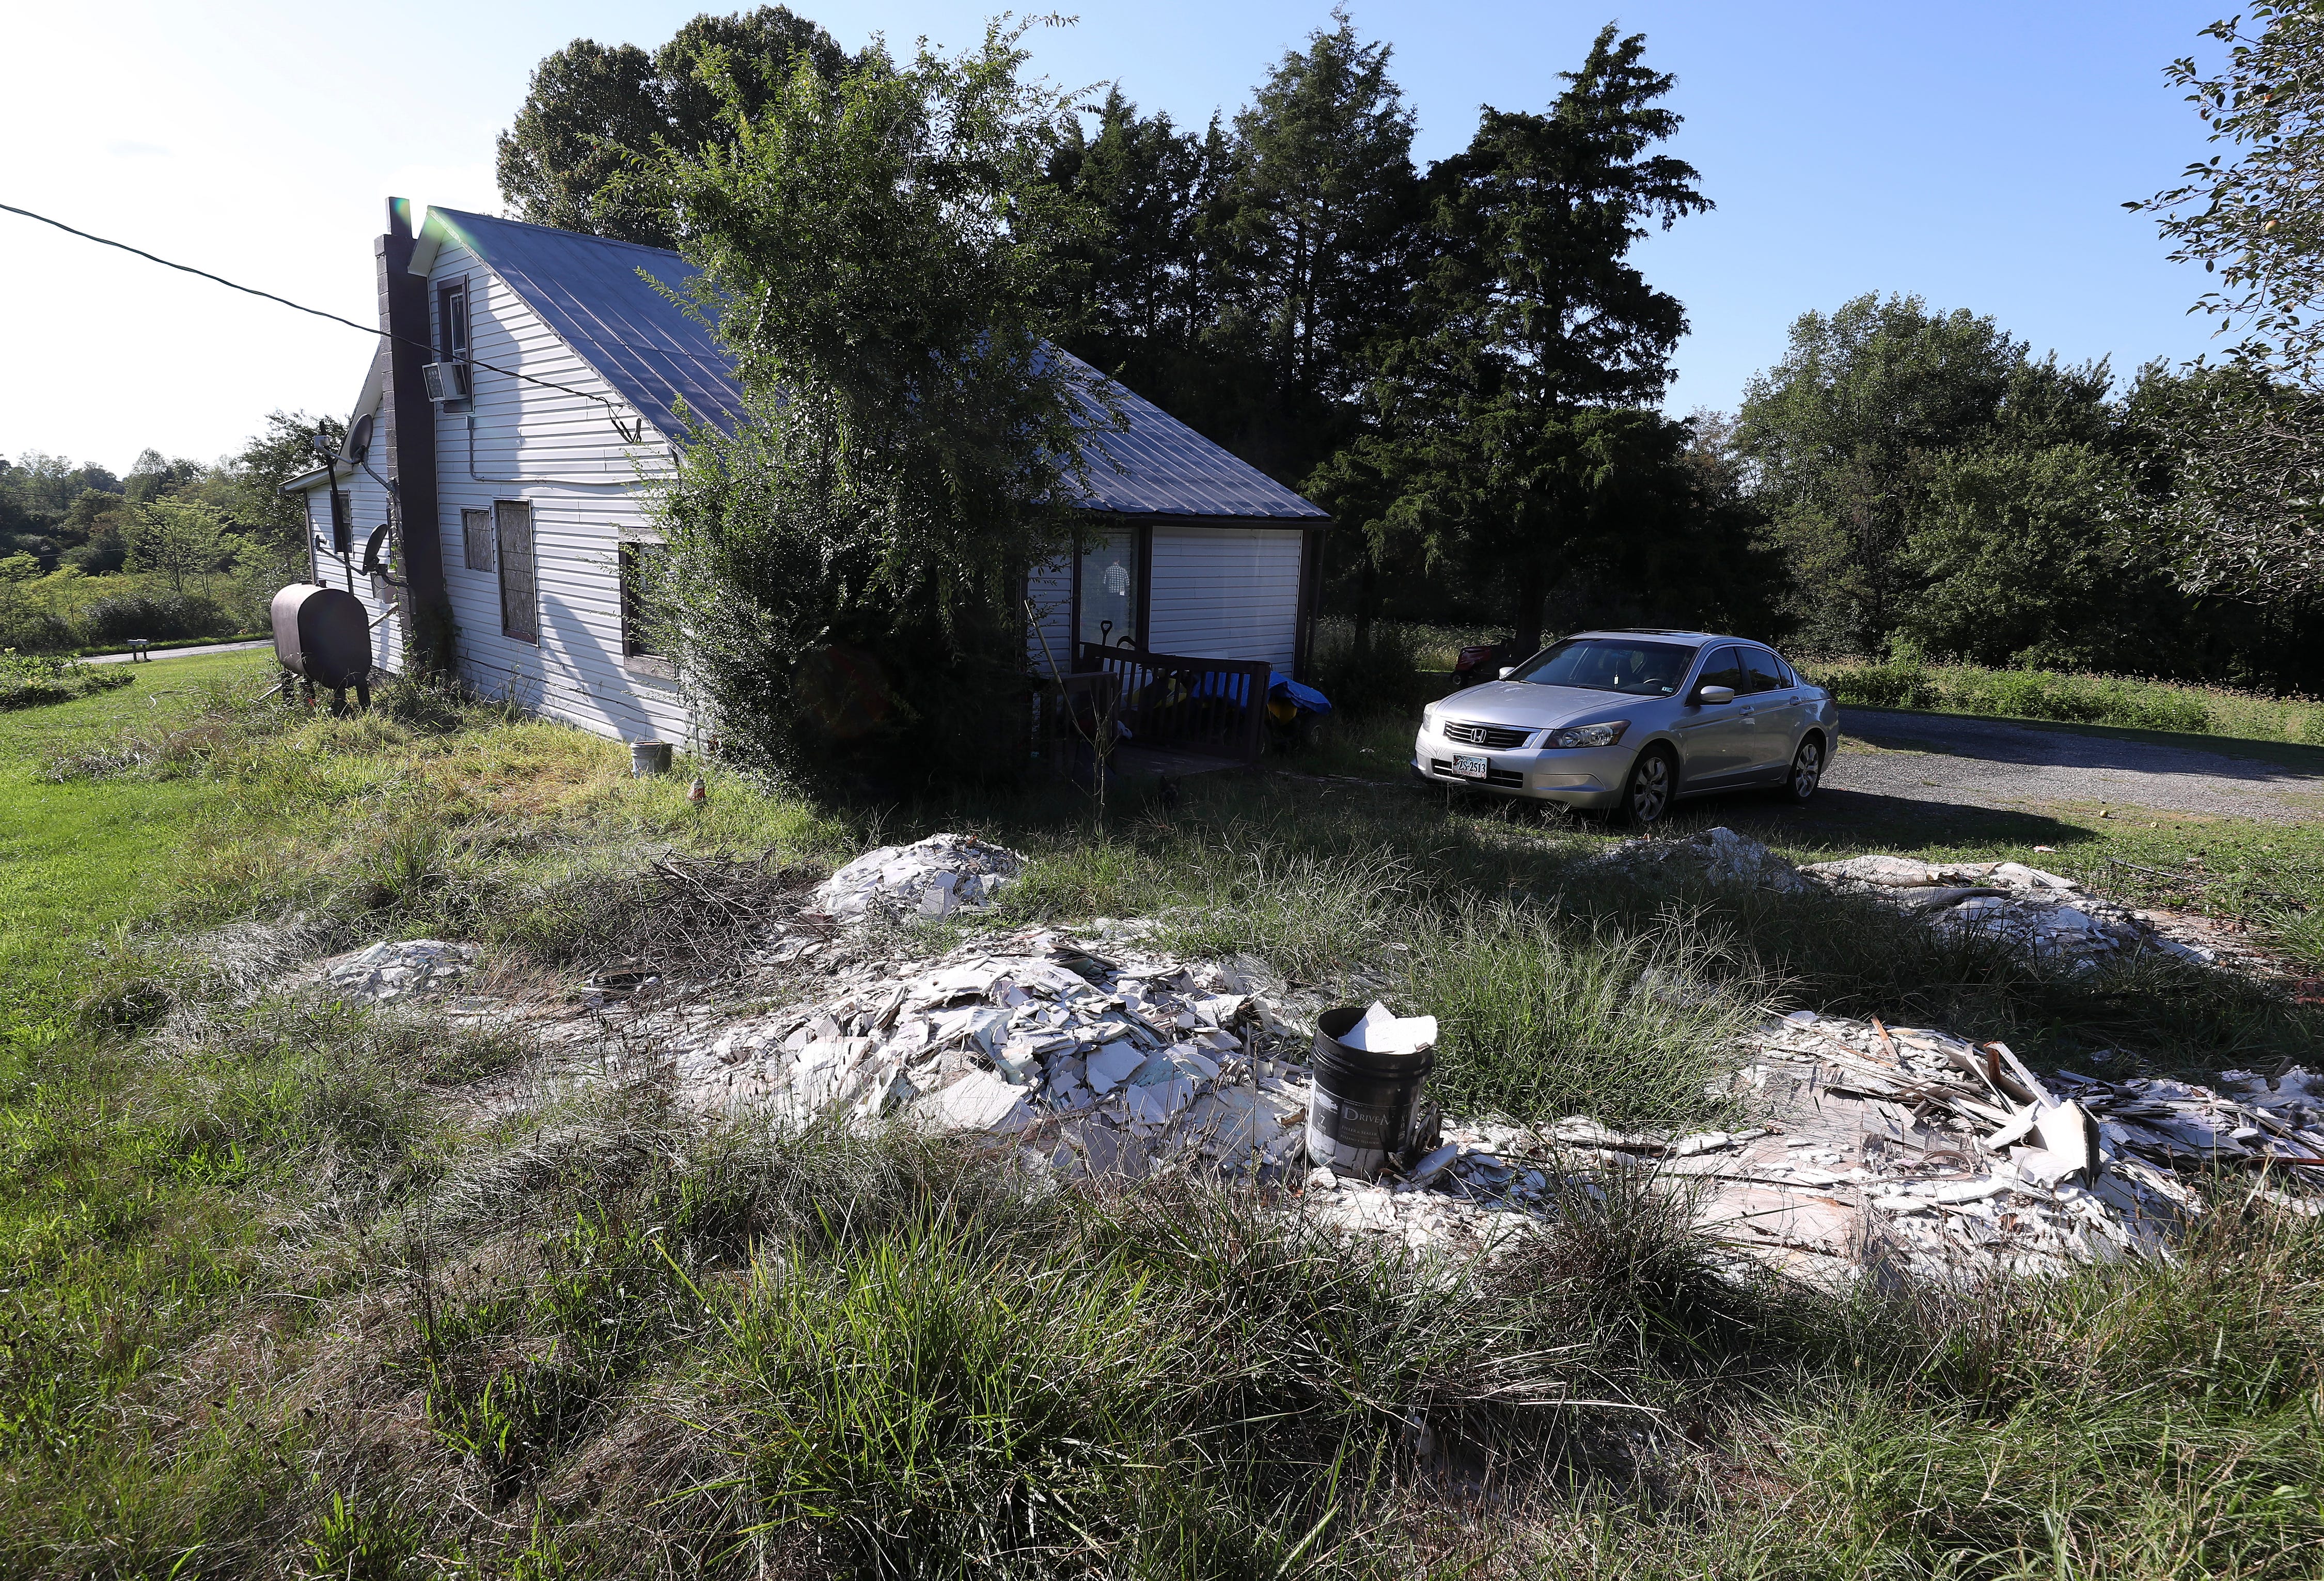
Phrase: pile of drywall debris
pixel 1910 1151
pixel 1112 1062
pixel 1714 855
pixel 932 878
pixel 1907 1151
pixel 1951 1160
pixel 1475 1192
pixel 2049 915
pixel 399 970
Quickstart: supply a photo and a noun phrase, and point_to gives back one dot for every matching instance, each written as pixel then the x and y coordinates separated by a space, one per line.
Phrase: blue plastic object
pixel 1282 688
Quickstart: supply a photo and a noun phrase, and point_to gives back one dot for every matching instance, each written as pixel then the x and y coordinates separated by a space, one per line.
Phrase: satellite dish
pixel 375 551
pixel 359 438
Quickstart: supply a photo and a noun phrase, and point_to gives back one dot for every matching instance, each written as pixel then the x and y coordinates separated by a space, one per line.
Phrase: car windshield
pixel 1646 670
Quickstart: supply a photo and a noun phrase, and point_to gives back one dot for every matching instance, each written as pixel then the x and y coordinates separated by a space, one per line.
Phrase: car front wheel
pixel 1646 794
pixel 1807 771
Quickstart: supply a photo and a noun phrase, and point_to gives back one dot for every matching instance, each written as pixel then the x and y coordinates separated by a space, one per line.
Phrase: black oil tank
pixel 322 634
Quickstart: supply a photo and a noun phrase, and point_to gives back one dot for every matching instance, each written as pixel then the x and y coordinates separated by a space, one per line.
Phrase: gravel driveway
pixel 2001 763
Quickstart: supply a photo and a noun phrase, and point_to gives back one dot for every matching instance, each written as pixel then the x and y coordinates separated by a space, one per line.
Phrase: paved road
pixel 159 653
pixel 2001 763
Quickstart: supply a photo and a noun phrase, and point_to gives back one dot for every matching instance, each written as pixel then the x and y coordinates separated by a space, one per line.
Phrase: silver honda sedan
pixel 1634 720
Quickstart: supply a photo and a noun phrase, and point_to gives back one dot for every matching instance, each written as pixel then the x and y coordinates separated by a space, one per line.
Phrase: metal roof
pixel 594 293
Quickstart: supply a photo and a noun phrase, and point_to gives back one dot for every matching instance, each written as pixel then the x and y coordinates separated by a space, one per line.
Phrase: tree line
pixel 176 547
pixel 1933 488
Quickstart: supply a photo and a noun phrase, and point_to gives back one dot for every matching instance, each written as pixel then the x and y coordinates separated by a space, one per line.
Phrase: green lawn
pixel 79 860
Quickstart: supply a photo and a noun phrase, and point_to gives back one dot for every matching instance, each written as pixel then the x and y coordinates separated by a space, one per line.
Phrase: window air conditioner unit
pixel 447 381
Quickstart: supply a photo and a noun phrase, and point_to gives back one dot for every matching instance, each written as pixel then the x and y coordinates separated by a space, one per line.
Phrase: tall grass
pixel 1386 670
pixel 2091 699
pixel 1541 1021
pixel 889 1357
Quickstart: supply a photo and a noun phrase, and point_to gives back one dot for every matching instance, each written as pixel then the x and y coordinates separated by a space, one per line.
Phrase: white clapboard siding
pixel 368 503
pixel 559 453
pixel 1050 591
pixel 1226 593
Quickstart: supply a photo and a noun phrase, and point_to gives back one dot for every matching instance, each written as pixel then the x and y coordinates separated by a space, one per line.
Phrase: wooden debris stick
pixel 1916 1087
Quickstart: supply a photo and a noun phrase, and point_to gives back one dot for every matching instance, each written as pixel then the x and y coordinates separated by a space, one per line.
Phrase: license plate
pixel 1472 768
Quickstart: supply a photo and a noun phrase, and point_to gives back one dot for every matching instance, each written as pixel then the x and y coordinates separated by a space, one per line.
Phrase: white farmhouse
pixel 527 388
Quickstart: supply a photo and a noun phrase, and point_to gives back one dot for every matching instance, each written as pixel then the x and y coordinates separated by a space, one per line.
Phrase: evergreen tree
pixel 1318 213
pixel 1516 417
pixel 1138 290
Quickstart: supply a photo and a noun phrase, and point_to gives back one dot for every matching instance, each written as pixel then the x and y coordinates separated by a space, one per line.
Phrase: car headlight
pixel 1605 734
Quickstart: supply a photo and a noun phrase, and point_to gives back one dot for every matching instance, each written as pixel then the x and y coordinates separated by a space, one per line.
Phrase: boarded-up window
pixel 476 538
pixel 638 563
pixel 520 599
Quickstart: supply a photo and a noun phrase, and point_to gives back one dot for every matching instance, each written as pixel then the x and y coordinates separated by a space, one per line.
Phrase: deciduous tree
pixel 592 109
pixel 1839 438
pixel 176 540
pixel 841 586
pixel 2249 445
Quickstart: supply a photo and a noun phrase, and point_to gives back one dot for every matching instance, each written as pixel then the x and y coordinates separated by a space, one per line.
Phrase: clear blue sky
pixel 1976 153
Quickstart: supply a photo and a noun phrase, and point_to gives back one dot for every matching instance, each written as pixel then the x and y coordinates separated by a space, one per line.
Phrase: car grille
pixel 1493 776
pixel 1498 735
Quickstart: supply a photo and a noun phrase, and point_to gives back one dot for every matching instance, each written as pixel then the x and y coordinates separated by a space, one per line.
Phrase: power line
pixel 317 312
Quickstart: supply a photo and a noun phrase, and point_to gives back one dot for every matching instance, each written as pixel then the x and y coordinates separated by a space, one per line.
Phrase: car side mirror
pixel 1507 670
pixel 1714 694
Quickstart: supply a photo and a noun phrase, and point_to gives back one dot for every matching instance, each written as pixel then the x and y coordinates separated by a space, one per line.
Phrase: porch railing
pixel 1216 708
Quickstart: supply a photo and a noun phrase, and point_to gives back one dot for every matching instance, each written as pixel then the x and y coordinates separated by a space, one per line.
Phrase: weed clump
pixel 28 680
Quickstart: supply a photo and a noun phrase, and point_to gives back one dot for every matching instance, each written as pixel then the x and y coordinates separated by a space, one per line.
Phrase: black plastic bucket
pixel 1366 1108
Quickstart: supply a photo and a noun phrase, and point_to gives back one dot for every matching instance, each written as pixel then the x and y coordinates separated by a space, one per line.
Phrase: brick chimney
pixel 408 420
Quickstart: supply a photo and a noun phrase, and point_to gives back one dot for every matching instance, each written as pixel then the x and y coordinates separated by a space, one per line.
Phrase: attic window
pixel 452 321
pixel 452 332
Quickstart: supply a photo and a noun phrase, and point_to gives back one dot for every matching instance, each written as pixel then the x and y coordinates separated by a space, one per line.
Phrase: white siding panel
pixel 1226 593
pixel 558 450
pixel 368 503
pixel 1050 591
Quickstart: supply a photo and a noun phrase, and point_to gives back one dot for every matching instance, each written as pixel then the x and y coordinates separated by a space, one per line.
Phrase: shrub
pixel 157 616
pixel 70 609
pixel 841 586
pixel 1382 673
